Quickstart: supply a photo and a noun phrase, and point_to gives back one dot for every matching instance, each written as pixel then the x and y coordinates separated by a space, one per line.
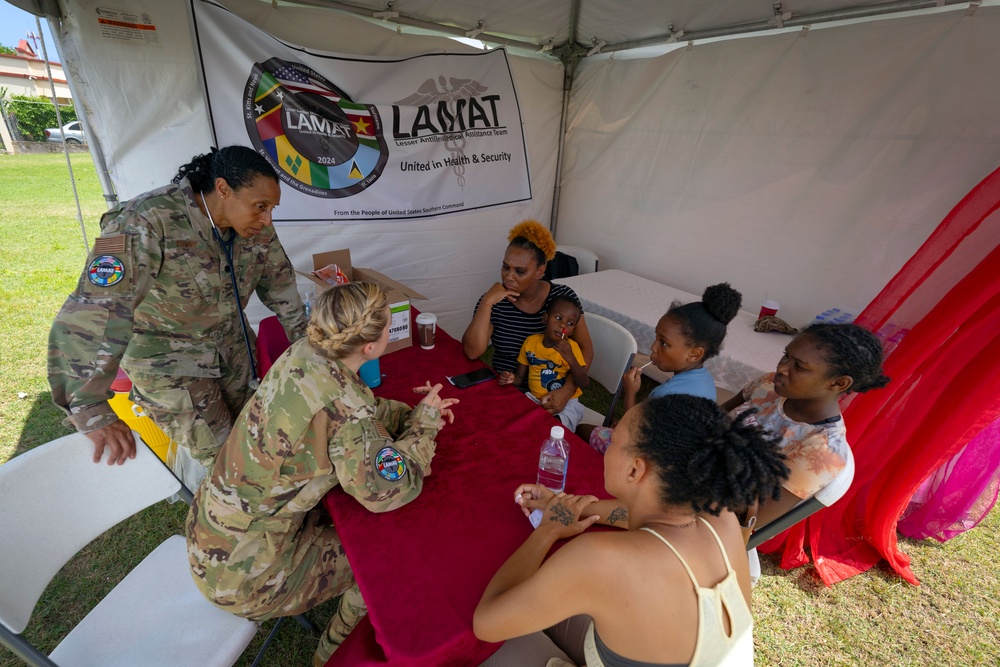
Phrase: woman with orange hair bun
pixel 512 309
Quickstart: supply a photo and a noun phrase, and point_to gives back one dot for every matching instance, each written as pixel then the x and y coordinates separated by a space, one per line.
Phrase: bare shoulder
pixel 593 550
pixel 726 526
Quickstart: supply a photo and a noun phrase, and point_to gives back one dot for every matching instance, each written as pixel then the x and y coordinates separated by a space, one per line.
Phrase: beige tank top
pixel 713 647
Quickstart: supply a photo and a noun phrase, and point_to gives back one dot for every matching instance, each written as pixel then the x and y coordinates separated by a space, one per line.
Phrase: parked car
pixel 73 132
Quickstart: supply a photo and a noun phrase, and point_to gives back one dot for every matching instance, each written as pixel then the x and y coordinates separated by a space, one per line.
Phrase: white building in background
pixel 24 74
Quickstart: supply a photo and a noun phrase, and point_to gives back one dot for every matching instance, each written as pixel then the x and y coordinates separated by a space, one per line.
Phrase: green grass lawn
pixel 872 619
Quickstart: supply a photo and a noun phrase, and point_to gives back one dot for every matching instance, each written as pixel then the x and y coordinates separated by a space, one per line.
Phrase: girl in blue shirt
pixel 687 336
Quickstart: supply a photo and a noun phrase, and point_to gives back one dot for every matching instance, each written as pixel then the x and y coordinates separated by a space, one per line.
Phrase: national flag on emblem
pixel 360 117
pixel 296 81
pixel 267 108
pixel 302 169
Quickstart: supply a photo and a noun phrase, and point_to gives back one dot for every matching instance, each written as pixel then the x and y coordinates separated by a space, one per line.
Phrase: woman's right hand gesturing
pixel 434 400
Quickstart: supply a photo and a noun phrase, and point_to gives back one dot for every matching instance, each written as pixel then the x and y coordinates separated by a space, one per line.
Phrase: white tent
pixel 801 150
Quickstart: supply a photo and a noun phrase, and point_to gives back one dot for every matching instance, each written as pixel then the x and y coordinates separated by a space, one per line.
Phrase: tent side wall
pixel 805 167
pixel 147 109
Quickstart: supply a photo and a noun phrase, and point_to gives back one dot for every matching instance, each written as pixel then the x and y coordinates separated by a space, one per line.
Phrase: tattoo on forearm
pixel 617 515
pixel 562 514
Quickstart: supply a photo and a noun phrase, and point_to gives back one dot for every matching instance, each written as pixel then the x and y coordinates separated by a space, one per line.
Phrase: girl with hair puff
pixel 512 309
pixel 687 336
pixel 673 588
pixel 260 542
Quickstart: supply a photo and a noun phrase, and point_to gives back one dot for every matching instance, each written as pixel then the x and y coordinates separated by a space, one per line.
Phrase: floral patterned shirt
pixel 816 452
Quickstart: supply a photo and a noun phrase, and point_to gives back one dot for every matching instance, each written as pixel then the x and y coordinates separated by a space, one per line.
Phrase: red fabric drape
pixel 945 389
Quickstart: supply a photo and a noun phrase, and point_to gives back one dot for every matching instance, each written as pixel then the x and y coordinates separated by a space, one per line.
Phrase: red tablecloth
pixel 422 568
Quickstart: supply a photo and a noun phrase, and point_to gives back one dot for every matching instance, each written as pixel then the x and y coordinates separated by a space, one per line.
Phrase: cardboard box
pixel 400 334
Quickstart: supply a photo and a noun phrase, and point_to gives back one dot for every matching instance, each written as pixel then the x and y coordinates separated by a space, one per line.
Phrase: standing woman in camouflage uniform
pixel 259 540
pixel 158 296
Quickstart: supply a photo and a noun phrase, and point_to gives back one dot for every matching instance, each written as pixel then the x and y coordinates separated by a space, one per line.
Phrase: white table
pixel 638 303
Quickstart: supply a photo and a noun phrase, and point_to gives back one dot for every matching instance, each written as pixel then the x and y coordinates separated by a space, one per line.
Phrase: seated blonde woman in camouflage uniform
pixel 259 541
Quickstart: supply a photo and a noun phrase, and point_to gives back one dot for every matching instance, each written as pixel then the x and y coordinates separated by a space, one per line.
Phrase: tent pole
pixel 403 20
pixel 59 123
pixel 878 11
pixel 96 154
pixel 570 55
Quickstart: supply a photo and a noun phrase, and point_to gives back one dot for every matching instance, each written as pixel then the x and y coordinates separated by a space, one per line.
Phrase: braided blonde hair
pixel 346 317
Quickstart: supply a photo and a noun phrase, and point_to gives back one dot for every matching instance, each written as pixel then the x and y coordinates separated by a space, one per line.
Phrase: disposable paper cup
pixel 371 373
pixel 426 328
pixel 768 309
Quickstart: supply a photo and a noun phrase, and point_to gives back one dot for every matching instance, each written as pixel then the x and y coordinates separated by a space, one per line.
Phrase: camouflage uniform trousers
pixel 196 413
pixel 311 576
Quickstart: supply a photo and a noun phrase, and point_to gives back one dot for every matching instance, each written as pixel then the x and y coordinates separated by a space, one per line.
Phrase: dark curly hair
pixel 703 323
pixel 239 165
pixel 571 299
pixel 850 350
pixel 706 459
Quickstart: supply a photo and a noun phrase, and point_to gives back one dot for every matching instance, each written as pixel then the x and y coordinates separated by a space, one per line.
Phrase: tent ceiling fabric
pixel 618 24
pixel 612 23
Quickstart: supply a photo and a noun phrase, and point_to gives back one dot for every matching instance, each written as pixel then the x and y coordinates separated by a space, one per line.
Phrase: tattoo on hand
pixel 562 514
pixel 618 515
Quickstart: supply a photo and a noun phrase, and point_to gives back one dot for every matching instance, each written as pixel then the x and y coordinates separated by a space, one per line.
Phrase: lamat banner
pixel 360 138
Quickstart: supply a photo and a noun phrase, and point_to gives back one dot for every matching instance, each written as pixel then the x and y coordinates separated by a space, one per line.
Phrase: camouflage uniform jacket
pixel 156 296
pixel 311 425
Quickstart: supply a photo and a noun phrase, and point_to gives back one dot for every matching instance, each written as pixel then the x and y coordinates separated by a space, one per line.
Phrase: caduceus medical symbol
pixel 457 107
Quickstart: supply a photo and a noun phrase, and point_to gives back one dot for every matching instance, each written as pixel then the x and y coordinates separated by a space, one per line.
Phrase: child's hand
pixel 566 351
pixel 506 377
pixel 632 380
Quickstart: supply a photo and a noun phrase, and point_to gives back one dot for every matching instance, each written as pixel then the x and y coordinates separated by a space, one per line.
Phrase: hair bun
pixel 722 302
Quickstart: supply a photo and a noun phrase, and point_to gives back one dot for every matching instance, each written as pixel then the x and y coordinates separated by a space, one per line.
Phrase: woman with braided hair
pixel 800 403
pixel 672 589
pixel 512 309
pixel 259 542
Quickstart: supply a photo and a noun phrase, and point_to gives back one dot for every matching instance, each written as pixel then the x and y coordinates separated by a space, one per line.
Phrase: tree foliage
pixel 32 115
pixel 7 50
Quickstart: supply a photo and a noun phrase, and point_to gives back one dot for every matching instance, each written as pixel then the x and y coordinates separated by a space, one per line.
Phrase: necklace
pixel 677 525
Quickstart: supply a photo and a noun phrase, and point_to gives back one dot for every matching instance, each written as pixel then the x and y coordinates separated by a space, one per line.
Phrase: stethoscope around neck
pixel 227 249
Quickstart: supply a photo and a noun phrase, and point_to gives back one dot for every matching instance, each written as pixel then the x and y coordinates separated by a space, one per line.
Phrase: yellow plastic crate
pixel 132 414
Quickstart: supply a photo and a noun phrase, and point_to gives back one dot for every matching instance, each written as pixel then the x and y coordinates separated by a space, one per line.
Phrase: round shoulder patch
pixel 106 271
pixel 390 464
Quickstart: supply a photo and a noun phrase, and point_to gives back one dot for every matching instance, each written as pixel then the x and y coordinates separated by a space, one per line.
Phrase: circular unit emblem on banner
pixel 106 270
pixel 319 141
pixel 390 464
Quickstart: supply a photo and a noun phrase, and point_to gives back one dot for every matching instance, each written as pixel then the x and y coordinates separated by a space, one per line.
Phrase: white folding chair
pixel 53 501
pixel 614 349
pixel 586 260
pixel 825 497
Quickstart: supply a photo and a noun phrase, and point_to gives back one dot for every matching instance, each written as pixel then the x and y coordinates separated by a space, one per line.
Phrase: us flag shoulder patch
pixel 106 245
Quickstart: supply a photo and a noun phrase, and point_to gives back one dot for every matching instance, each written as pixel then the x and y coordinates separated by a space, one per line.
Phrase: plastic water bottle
pixel 307 300
pixel 553 462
